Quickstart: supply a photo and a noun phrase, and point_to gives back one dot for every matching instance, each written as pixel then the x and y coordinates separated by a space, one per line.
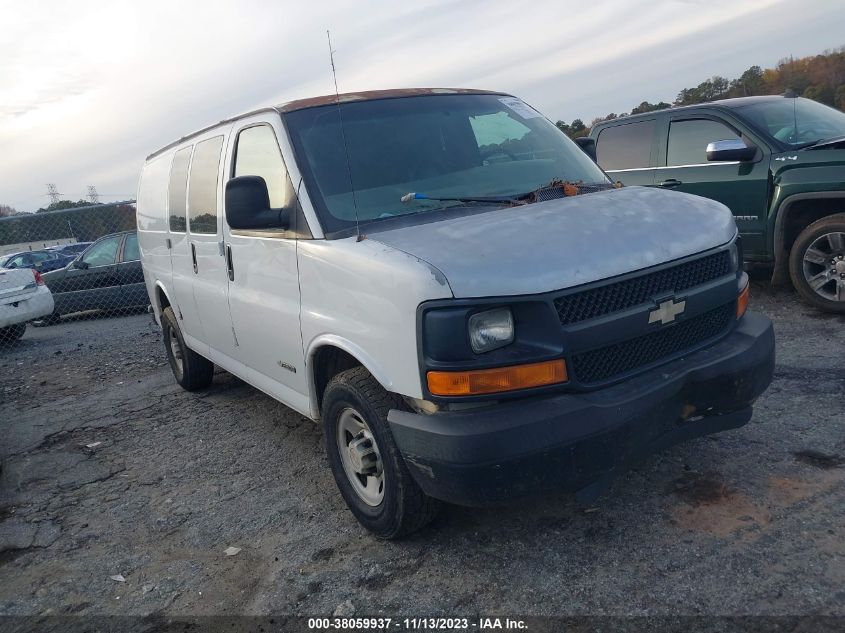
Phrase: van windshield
pixel 441 146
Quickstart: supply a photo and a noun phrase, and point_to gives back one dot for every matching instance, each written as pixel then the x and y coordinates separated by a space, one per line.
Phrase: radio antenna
pixel 343 136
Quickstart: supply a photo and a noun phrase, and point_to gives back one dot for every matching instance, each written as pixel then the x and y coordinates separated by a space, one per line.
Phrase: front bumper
pixel 581 441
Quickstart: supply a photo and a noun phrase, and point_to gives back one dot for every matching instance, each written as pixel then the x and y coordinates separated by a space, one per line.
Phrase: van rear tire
pixel 354 413
pixel 191 370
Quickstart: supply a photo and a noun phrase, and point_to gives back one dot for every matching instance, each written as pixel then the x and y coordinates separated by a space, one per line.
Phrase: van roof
pixel 369 95
pixel 313 102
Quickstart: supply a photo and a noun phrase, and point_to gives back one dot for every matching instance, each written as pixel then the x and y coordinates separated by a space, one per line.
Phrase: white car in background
pixel 23 297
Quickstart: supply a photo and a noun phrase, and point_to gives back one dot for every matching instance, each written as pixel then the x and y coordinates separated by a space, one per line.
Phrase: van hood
pixel 565 242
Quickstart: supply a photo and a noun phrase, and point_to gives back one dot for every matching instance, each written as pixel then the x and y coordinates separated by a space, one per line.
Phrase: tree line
pixel 84 225
pixel 817 77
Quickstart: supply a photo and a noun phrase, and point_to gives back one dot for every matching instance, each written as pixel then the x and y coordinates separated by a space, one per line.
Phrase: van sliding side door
pixel 181 260
pixel 205 243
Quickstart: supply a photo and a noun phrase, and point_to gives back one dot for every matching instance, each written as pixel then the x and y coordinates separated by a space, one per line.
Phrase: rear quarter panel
pixel 152 226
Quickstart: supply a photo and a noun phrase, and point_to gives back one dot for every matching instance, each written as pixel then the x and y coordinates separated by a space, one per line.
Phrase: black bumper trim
pixel 577 441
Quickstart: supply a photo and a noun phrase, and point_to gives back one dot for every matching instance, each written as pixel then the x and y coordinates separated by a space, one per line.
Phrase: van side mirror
pixel 588 145
pixel 248 205
pixel 730 150
pixel 80 263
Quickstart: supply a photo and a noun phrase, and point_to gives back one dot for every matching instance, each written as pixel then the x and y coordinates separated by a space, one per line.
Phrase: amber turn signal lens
pixel 742 301
pixel 481 381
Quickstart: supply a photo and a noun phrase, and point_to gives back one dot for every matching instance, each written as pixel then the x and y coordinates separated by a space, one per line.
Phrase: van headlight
pixel 736 254
pixel 490 330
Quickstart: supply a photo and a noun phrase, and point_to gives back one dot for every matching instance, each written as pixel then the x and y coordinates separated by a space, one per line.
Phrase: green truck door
pixel 742 187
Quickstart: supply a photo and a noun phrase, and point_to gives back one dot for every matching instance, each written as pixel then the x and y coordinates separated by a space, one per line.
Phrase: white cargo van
pixel 455 289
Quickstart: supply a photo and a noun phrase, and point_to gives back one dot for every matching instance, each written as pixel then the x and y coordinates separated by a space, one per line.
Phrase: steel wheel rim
pixel 823 266
pixel 360 456
pixel 175 350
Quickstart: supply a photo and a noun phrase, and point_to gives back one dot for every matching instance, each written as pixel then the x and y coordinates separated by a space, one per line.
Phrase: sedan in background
pixel 23 297
pixel 71 250
pixel 106 276
pixel 43 260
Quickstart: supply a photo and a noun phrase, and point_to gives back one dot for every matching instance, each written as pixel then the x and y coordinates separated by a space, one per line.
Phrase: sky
pixel 88 88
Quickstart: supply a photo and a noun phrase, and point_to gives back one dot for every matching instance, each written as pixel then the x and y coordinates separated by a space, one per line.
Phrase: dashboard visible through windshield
pixel 439 146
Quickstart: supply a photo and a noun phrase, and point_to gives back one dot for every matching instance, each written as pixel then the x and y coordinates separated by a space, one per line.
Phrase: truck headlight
pixel 490 330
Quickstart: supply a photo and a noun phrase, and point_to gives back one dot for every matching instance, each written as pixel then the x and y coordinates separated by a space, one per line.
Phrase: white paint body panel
pixel 566 242
pixel 362 296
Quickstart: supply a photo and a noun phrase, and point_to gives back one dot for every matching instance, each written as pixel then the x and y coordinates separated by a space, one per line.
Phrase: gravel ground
pixel 108 468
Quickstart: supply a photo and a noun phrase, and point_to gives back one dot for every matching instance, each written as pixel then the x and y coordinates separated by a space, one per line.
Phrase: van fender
pixel 333 340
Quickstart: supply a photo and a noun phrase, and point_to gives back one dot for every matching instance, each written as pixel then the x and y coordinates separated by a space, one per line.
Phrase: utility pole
pixel 93 196
pixel 53 193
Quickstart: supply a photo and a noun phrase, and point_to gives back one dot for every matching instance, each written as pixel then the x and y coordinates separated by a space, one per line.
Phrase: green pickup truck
pixel 778 162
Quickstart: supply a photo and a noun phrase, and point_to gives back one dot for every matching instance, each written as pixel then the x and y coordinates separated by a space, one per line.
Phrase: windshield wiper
pixel 410 197
pixel 566 188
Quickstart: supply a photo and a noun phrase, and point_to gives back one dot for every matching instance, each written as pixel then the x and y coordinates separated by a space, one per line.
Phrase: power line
pixel 53 192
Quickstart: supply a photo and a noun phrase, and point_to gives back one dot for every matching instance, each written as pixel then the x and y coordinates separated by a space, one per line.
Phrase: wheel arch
pixel 327 356
pixel 160 300
pixel 796 213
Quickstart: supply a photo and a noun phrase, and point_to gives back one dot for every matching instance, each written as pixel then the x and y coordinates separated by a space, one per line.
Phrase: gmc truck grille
pixel 604 363
pixel 620 295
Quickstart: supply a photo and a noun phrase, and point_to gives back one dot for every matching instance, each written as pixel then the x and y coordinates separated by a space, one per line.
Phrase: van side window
pixel 625 146
pixel 688 140
pixel 258 154
pixel 152 195
pixel 202 190
pixel 177 189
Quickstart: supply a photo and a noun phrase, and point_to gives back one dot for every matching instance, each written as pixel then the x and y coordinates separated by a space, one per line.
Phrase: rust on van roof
pixel 313 102
pixel 369 95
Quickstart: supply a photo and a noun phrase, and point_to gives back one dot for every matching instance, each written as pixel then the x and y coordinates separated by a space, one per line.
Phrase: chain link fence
pixel 81 262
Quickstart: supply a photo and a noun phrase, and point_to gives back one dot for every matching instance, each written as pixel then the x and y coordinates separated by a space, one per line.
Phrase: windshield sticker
pixel 522 109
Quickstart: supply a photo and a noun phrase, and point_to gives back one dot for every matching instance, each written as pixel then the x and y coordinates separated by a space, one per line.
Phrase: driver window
pixel 688 140
pixel 258 154
pixel 103 253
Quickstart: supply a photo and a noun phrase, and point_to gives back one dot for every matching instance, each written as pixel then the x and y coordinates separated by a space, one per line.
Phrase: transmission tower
pixel 53 193
pixel 93 196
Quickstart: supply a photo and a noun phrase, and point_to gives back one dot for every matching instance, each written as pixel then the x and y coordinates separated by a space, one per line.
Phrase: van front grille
pixel 621 295
pixel 602 364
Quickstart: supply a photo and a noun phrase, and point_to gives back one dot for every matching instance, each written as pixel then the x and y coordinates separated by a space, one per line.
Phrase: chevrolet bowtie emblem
pixel 666 311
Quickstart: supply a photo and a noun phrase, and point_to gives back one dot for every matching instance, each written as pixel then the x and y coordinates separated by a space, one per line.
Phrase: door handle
pixel 194 257
pixel 671 182
pixel 229 267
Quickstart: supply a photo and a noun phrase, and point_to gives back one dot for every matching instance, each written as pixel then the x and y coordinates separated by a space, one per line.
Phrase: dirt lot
pixel 109 468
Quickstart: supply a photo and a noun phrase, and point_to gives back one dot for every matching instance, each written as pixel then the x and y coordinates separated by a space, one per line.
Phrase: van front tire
pixel 369 470
pixel 191 370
